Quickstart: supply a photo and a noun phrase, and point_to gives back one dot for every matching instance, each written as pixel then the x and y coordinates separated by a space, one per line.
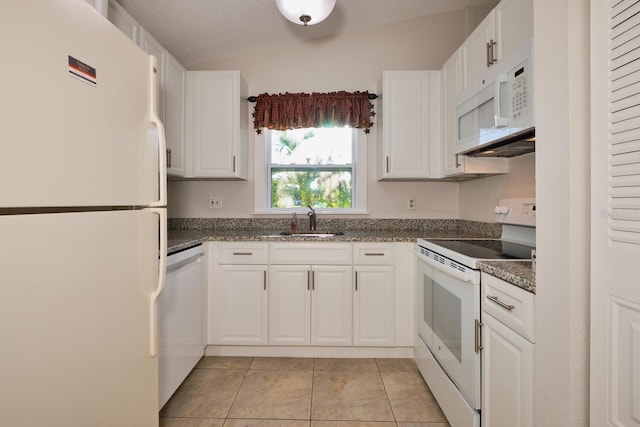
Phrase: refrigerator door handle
pixel 162 142
pixel 162 275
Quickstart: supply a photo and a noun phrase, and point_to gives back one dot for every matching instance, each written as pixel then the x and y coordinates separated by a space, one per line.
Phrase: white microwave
pixel 499 106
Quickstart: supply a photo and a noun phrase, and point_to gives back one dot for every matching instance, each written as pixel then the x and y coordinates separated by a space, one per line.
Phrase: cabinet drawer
pixel 512 306
pixel 311 253
pixel 243 253
pixel 372 253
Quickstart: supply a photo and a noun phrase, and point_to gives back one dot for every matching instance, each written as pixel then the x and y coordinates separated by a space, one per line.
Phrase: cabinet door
pixel 476 53
pixel 507 376
pixel 451 89
pixel 514 25
pixel 331 306
pixel 123 21
pixel 100 6
pixel 238 303
pixel 216 130
pixel 174 102
pixel 152 47
pixel 289 305
pixel 406 125
pixel 373 306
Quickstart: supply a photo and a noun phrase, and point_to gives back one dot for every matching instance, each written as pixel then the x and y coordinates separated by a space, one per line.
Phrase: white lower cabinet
pixel 310 305
pixel 289 305
pixel 373 306
pixel 238 295
pixel 331 305
pixel 306 294
pixel 507 354
pixel 373 295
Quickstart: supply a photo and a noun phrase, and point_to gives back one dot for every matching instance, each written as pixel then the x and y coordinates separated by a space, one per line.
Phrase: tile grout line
pixel 386 393
pixel 226 417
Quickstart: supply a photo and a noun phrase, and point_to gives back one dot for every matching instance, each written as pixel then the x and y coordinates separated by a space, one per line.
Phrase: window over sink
pixel 321 167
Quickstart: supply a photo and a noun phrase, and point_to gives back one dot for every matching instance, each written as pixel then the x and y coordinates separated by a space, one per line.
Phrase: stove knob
pixel 504 210
pixel 497 210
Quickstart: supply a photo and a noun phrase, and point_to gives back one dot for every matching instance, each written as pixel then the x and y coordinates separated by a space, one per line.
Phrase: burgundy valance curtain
pixel 302 110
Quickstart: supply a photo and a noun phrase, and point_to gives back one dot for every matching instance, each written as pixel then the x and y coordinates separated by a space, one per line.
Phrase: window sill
pixel 303 211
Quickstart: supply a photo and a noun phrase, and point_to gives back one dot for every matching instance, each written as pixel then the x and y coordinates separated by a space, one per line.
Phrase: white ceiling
pixel 196 31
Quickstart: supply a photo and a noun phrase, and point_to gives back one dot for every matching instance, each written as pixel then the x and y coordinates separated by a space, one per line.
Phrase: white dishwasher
pixel 181 332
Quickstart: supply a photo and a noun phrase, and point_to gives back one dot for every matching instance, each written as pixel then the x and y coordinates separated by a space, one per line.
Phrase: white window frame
pixel 262 192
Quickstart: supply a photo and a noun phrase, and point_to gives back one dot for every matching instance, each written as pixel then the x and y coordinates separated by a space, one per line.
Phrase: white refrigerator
pixel 82 220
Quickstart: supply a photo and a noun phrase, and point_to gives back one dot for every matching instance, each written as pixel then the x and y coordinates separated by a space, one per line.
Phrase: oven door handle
pixel 465 277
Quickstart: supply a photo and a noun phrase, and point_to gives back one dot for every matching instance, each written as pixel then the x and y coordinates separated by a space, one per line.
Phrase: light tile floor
pixel 302 392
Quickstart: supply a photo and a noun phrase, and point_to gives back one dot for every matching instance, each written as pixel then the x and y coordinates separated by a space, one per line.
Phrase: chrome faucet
pixel 312 218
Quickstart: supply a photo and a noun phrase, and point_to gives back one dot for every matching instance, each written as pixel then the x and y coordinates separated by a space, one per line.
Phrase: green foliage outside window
pixel 311 167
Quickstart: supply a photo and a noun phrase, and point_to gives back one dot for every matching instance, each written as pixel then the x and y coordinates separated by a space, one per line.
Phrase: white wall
pixel 349 63
pixel 479 197
pixel 562 172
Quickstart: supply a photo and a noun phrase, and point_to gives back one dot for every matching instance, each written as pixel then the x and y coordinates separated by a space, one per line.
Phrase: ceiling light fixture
pixel 306 12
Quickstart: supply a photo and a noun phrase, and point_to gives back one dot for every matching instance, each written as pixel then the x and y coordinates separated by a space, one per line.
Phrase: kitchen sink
pixel 318 235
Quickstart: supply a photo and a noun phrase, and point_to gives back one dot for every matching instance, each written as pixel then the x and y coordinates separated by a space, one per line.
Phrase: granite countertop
pixel 518 273
pixel 185 233
pixel 179 240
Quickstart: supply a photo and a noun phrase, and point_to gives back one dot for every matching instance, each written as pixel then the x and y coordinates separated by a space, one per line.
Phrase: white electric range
pixel 447 349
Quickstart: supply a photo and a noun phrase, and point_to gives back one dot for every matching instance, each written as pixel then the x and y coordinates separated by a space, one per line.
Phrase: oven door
pixel 448 309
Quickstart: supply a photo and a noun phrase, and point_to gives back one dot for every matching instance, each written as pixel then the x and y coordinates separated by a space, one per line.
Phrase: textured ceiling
pixel 196 31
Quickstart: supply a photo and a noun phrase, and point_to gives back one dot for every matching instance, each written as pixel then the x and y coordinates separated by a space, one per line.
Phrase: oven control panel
pixel 520 211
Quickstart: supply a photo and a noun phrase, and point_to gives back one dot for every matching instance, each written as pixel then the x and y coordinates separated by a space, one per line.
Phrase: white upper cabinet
pixel 171 86
pixel 478 48
pixel 99 5
pixel 409 124
pixel 216 125
pixel 123 21
pixel 174 114
pixel 514 25
pixel 506 27
pixel 451 89
pixel 152 47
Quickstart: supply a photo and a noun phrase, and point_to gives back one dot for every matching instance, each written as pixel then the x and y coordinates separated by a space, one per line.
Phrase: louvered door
pixel 615 228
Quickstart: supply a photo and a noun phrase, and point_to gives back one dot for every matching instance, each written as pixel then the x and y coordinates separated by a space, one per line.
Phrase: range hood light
pixel 515 145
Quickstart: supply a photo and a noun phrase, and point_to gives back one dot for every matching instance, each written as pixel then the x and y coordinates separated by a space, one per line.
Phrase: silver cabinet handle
pixel 313 280
pixel 264 278
pixel 234 164
pixel 491 57
pixel 373 254
pixel 478 345
pixel 488 48
pixel 308 280
pixel 387 164
pixel 168 157
pixel 243 253
pixel 495 299
pixel 356 281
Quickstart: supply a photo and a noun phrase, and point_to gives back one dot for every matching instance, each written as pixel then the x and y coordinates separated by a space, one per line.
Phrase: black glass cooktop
pixel 486 249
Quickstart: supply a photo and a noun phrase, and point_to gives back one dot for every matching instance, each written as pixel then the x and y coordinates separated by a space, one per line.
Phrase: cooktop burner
pixel 486 249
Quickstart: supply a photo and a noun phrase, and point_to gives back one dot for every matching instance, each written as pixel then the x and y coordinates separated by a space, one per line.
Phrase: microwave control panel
pixel 519 97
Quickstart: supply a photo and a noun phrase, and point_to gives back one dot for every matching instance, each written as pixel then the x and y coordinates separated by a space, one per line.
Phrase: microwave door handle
pixel 500 121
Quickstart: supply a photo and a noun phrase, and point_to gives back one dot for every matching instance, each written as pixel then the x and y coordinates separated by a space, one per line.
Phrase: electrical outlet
pixel 411 204
pixel 215 202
